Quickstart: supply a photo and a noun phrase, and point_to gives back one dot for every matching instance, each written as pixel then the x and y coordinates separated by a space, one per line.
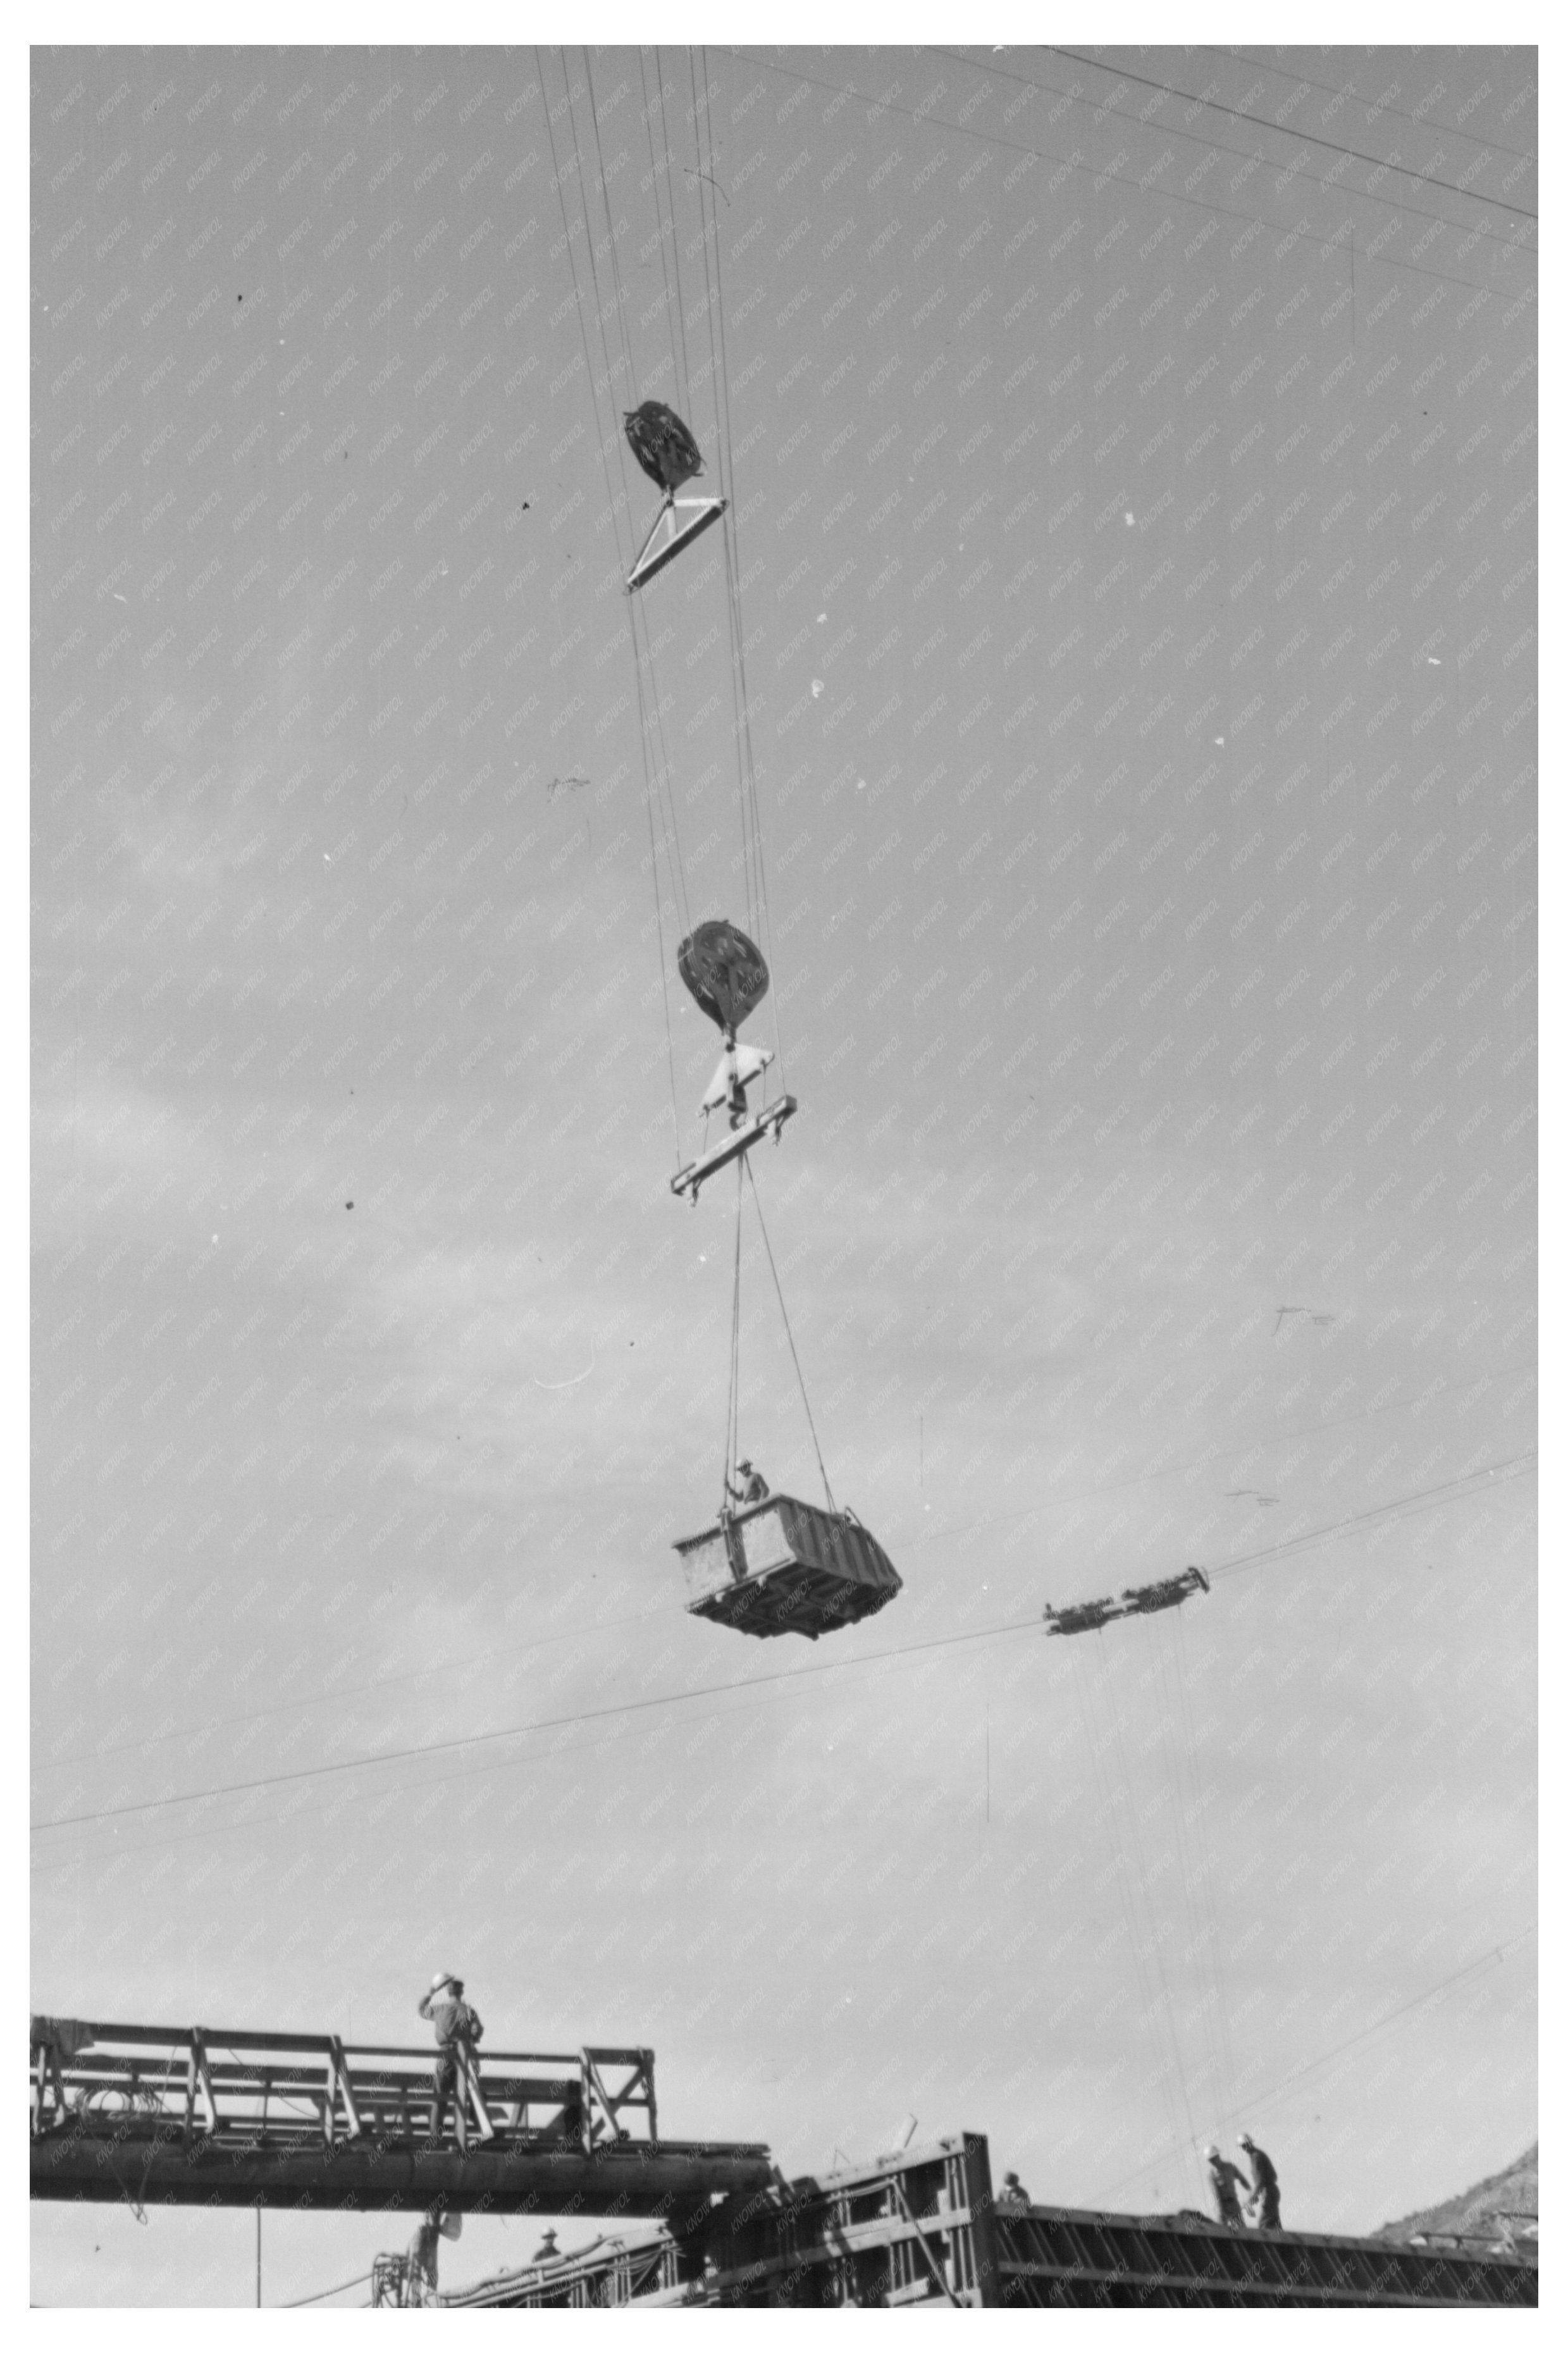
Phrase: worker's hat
pixel 744 1463
pixel 1213 2149
pixel 443 1977
pixel 1244 2140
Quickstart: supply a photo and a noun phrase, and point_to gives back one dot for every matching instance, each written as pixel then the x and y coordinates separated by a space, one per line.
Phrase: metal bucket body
pixel 782 1566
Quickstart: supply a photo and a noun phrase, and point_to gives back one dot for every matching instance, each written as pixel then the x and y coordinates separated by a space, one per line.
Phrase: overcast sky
pixel 1134 469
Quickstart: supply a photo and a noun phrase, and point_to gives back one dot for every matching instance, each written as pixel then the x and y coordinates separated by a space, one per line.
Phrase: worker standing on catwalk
pixel 458 2029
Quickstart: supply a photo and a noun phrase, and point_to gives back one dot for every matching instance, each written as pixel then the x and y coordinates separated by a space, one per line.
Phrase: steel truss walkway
pixel 922 2229
pixel 171 2115
pixel 177 2115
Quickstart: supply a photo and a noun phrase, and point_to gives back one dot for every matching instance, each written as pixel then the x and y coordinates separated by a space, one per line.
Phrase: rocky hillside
pixel 1515 2190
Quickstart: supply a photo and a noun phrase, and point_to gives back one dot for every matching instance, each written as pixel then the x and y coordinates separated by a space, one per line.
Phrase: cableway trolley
pixel 1134 1601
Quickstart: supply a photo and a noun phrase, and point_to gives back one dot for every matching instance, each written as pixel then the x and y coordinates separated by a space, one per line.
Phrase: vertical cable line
pixel 648 797
pixel 1174 1795
pixel 1158 1751
pixel 577 281
pixel 1178 1794
pixel 745 752
pixel 749 814
pixel 706 210
pixel 656 793
pixel 704 206
pixel 657 770
pixel 665 773
pixel 789 1335
pixel 622 309
pixel 664 764
pixel 674 232
pixel 1111 1813
pixel 1196 1864
pixel 666 768
pixel 669 296
pixel 1117 1731
pixel 733 1414
pixel 604 339
pixel 1200 1784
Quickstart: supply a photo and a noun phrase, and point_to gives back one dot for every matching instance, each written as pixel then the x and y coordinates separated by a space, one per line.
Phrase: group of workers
pixel 1235 2194
pixel 458 2030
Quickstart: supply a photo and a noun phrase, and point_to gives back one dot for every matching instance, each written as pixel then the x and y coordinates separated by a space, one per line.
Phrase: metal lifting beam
pixel 695 1174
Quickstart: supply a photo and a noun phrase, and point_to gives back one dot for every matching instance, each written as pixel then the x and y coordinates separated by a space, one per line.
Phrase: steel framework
pixel 607 2276
pixel 203 2115
pixel 1053 2256
pixel 922 2229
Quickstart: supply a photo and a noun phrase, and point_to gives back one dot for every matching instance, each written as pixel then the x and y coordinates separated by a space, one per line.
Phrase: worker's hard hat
pixel 744 1463
pixel 443 1977
pixel 1212 2150
pixel 1244 2140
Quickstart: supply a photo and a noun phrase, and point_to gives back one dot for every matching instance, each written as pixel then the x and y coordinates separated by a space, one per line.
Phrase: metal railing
pixel 607 2276
pixel 285 2091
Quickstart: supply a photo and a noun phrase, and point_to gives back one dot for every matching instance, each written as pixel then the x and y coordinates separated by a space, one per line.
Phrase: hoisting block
pixel 695 1174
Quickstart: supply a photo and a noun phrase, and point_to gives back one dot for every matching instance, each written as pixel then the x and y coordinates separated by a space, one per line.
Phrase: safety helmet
pixel 443 1977
pixel 1212 2150
pixel 1244 2140
pixel 744 1463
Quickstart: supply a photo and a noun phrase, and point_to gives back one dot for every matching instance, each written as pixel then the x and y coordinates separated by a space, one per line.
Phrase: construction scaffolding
pixel 922 2229
pixel 1053 2256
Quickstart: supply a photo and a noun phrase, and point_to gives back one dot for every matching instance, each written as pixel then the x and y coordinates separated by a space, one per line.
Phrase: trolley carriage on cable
pixel 782 1566
pixel 1134 1601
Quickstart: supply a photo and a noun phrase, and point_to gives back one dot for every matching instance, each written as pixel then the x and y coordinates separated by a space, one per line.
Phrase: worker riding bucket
pixel 782 1566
